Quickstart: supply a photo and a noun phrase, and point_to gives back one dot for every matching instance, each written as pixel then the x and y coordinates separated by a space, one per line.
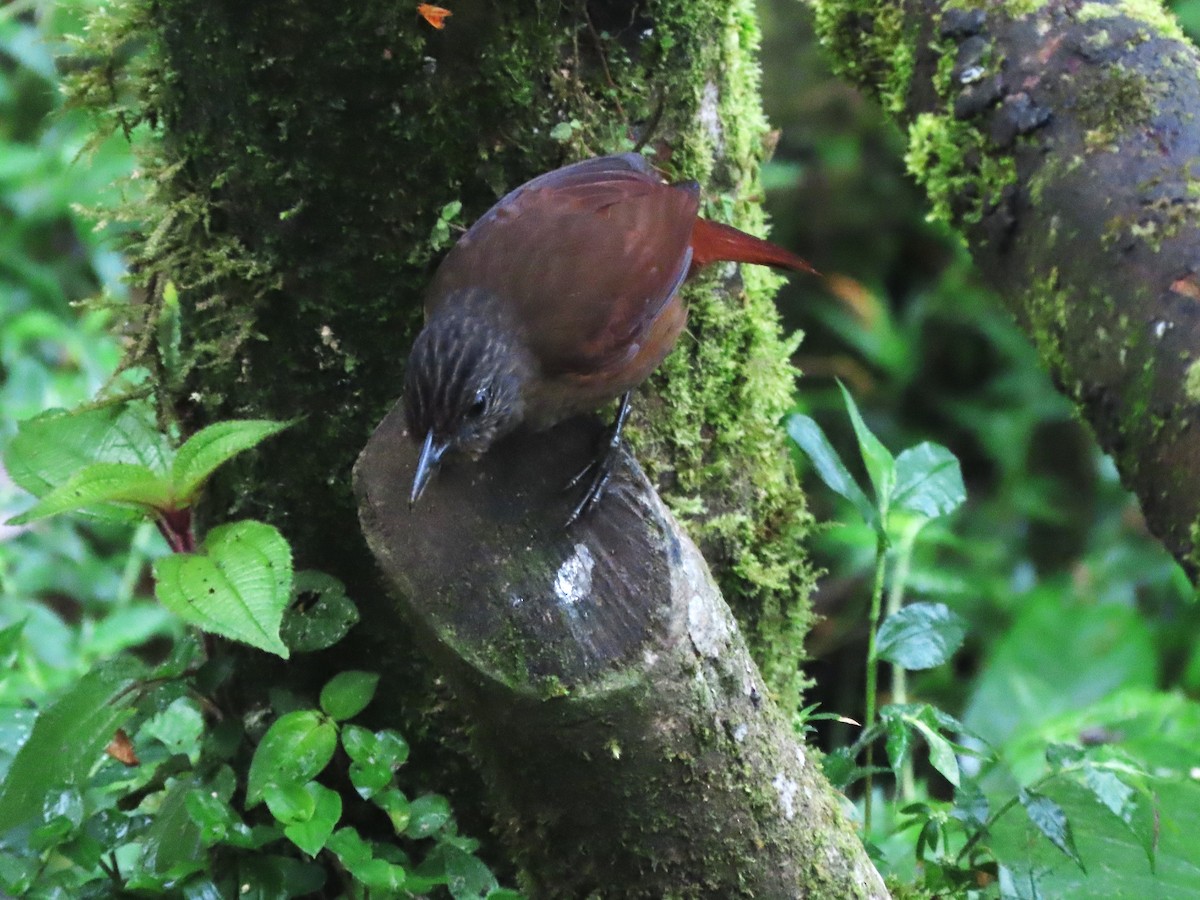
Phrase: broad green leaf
pixel 289 802
pixel 172 846
pixel 124 483
pixel 68 739
pixel 49 449
pixel 212 815
pixel 294 750
pixel 347 694
pixel 920 636
pixel 811 439
pixel 1048 817
pixel 396 805
pixel 208 448
pixel 311 834
pixel 971 805
pixel 941 751
pixel 1110 790
pixel 467 878
pixel 319 615
pixel 236 586
pixel 359 859
pixel 899 738
pixel 881 465
pixel 928 481
pixel 427 814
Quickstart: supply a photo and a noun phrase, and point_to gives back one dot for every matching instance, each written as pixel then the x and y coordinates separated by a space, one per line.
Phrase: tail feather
pixel 713 241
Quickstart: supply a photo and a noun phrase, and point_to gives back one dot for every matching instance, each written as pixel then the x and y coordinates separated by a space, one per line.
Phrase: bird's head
pixel 462 389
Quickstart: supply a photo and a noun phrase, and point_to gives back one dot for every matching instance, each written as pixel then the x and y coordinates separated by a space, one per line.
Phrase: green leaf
pixel 1048 817
pixel 290 803
pixel 375 756
pixel 811 439
pixel 358 858
pixel 467 878
pixel 311 835
pixel 207 449
pixel 881 465
pixel 396 805
pixel 68 739
pixel 427 814
pixel 293 751
pixel 941 751
pixel 899 738
pixel 1110 790
pixel 172 845
pixel 971 805
pixel 319 614
pixel 928 481
pixel 920 636
pixel 347 694
pixel 49 449
pixel 99 483
pixel 211 814
pixel 236 586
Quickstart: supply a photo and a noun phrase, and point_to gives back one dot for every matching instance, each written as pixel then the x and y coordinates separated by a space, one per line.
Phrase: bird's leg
pixel 600 468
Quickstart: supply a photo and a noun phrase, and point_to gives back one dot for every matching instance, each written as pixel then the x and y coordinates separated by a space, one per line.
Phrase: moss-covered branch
pixel 627 739
pixel 1061 138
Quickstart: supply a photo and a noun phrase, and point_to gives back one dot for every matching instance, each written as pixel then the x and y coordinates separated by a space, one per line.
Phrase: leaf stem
pixel 873 672
pixel 895 600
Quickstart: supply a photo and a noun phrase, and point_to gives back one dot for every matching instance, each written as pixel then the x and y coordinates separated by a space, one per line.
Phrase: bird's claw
pixel 600 468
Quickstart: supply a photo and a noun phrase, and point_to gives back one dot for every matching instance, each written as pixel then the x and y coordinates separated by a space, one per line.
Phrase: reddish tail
pixel 712 241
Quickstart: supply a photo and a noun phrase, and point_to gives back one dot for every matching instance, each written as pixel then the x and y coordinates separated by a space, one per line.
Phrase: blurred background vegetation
pixel 1077 616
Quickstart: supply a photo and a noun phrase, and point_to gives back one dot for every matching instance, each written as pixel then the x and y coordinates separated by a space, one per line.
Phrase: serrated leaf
pixel 295 749
pixel 68 738
pixel 311 834
pixel 881 465
pixel 50 448
pixel 237 585
pixel 98 483
pixel 920 636
pixel 812 440
pixel 928 481
pixel 348 693
pixel 319 614
pixel 1048 817
pixel 207 449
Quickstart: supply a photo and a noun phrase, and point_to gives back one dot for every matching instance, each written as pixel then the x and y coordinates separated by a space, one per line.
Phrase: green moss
pixel 1152 12
pixel 871 42
pixel 1118 101
pixel 1191 382
pixel 956 166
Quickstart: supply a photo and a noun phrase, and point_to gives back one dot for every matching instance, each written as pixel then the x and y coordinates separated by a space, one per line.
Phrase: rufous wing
pixel 584 257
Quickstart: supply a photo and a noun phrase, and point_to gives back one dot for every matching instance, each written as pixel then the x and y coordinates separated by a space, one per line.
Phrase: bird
pixel 562 297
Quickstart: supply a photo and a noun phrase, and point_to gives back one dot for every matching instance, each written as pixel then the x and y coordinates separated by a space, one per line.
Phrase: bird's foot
pixel 597 472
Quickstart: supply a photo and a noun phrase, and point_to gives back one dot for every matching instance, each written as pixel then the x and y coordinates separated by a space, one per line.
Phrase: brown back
pixel 583 258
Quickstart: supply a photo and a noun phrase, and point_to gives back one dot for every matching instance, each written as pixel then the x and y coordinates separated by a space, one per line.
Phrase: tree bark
pixel 630 744
pixel 1061 138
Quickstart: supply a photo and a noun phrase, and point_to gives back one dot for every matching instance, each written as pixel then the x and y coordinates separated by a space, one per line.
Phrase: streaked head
pixel 462 389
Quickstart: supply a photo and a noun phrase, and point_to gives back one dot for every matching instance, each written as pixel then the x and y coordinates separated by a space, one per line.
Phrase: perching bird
pixel 563 296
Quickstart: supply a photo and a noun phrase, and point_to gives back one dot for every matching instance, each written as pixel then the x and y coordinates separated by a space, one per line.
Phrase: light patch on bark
pixel 573 581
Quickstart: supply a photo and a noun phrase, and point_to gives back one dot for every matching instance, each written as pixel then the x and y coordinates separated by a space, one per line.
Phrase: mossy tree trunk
pixel 304 168
pixel 1061 137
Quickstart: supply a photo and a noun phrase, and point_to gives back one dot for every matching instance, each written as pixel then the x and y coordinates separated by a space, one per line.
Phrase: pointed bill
pixel 431 455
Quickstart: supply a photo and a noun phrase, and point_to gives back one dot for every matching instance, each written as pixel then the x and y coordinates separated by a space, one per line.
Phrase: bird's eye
pixel 479 407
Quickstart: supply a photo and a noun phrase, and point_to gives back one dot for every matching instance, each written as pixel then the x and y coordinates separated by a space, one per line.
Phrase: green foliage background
pixel 1081 630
